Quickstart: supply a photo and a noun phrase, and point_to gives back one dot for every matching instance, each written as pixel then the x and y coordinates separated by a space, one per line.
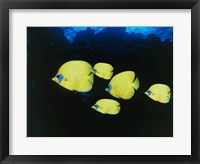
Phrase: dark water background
pixel 53 111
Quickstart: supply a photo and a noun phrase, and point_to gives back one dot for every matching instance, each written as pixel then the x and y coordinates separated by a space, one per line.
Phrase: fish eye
pixel 60 78
pixel 96 106
pixel 109 88
pixel 149 93
pixel 95 71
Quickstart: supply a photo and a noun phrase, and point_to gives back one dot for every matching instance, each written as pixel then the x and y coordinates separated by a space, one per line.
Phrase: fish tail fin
pixel 169 96
pixel 90 73
pixel 136 84
pixel 91 78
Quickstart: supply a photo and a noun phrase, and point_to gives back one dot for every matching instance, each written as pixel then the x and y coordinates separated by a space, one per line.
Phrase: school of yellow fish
pixel 78 75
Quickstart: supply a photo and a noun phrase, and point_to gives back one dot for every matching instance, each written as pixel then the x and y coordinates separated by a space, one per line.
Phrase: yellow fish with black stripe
pixel 123 85
pixel 103 70
pixel 107 106
pixel 75 75
pixel 159 92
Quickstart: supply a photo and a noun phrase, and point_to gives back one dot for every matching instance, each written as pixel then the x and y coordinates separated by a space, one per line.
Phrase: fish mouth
pixel 54 79
pixel 93 107
pixel 106 89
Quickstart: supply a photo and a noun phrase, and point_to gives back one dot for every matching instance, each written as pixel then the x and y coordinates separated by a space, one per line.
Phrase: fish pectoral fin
pixel 169 95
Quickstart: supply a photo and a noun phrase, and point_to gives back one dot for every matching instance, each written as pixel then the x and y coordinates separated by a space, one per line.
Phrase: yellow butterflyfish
pixel 75 75
pixel 107 106
pixel 159 92
pixel 123 85
pixel 103 70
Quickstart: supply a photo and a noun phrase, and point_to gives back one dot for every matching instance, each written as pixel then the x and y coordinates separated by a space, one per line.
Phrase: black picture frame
pixel 5 5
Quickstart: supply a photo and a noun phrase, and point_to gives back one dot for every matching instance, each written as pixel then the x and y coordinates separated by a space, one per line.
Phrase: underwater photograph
pixel 100 81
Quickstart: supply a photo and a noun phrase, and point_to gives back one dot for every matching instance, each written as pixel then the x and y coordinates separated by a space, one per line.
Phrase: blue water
pixel 164 33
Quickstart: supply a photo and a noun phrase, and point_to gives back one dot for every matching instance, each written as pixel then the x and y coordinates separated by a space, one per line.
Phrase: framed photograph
pixel 99 81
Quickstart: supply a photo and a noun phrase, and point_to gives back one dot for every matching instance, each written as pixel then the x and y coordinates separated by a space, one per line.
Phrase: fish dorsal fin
pixel 129 75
